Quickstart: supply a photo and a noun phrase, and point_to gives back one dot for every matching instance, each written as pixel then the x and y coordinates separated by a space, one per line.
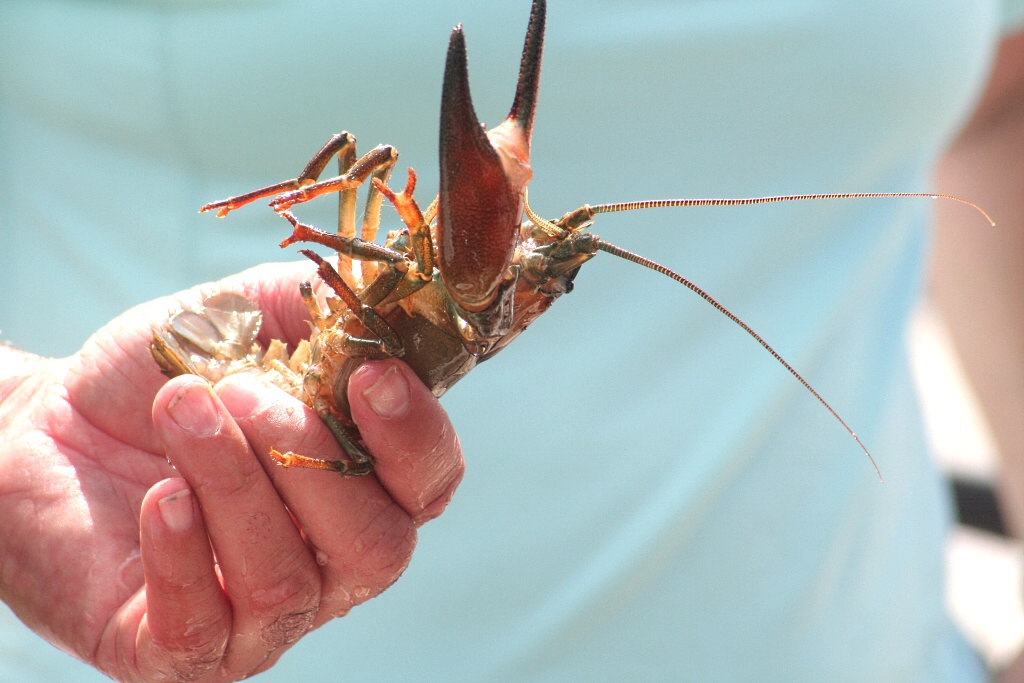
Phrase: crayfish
pixel 453 287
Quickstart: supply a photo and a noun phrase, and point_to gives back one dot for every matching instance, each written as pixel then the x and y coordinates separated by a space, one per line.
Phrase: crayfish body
pixel 448 291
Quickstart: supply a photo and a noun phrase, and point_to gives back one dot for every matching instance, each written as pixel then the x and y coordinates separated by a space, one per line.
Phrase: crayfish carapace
pixel 460 281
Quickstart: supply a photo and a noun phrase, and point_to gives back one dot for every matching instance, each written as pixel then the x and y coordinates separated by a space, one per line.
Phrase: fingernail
pixel 240 394
pixel 194 410
pixel 176 510
pixel 389 395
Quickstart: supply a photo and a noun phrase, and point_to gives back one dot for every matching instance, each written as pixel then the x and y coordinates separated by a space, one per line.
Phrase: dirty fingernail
pixel 176 510
pixel 193 409
pixel 389 395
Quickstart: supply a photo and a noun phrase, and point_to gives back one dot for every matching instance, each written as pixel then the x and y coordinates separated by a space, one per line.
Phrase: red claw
pixel 484 174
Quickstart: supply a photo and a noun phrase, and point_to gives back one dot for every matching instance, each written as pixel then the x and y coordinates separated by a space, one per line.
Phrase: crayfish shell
pixel 219 340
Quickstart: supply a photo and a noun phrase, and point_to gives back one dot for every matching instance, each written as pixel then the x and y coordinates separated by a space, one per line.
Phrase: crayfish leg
pixel 338 144
pixel 359 462
pixel 371 216
pixel 316 313
pixel 363 168
pixel 342 467
pixel 351 247
pixel 347 201
pixel 391 343
pixel 419 231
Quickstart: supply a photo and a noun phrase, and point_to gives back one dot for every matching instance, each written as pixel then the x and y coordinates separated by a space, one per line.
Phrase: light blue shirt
pixel 649 496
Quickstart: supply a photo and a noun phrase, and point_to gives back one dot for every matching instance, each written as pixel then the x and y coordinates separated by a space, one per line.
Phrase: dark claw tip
pixel 524 106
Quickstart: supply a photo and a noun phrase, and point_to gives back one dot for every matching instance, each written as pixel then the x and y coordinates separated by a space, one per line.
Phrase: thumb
pixel 418 455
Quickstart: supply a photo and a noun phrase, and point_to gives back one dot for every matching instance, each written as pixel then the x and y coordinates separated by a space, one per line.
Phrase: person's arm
pixel 144 528
pixel 977 274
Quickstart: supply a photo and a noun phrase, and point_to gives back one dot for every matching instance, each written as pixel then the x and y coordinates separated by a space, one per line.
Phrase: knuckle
pixel 195 665
pixel 189 656
pixel 287 603
pixel 287 628
pixel 384 547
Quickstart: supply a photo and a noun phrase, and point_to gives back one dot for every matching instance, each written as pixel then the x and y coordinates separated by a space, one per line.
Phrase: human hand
pixel 211 568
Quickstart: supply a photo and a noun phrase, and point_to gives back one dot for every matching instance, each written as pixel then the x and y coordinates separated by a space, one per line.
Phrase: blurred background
pixel 629 404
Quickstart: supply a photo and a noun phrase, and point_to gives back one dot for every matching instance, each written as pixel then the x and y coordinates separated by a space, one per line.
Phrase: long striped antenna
pixel 665 203
pixel 587 212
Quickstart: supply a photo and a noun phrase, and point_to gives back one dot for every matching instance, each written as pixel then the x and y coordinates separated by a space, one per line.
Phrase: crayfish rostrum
pixel 460 281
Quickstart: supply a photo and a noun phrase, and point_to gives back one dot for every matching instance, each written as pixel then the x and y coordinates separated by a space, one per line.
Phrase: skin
pixel 977 273
pixel 148 532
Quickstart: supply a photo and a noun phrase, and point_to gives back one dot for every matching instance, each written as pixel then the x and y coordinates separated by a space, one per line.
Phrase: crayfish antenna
pixel 657 267
pixel 589 211
pixel 747 201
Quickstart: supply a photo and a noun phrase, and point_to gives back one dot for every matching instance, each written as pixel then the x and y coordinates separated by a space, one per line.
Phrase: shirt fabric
pixel 649 496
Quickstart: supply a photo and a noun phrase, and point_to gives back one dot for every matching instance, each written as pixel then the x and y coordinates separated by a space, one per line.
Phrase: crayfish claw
pixel 524 106
pixel 483 180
